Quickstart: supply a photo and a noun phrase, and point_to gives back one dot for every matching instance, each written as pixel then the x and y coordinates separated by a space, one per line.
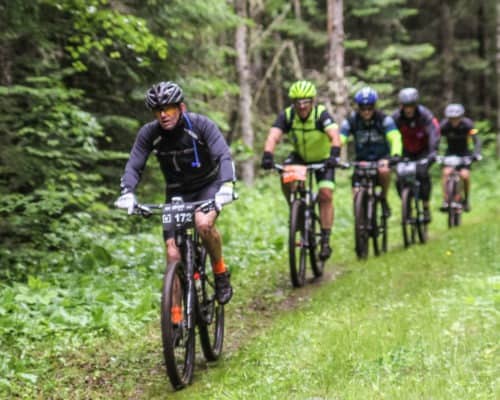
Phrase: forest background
pixel 73 75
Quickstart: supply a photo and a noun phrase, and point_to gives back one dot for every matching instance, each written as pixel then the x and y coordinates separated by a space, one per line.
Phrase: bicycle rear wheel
pixel 177 330
pixel 361 233
pixel 297 245
pixel 210 313
pixel 317 265
pixel 407 217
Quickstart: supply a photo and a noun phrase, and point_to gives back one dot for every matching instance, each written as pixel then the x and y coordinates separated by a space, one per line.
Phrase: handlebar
pixel 313 166
pixel 373 164
pixel 454 161
pixel 146 210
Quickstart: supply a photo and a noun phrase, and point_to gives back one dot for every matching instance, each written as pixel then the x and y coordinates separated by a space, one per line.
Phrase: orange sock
pixel 219 267
pixel 176 314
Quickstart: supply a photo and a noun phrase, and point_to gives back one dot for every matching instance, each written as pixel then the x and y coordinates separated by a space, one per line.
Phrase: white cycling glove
pixel 225 195
pixel 127 201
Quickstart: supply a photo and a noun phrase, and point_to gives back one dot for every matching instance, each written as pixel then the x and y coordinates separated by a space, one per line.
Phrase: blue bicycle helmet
pixel 366 96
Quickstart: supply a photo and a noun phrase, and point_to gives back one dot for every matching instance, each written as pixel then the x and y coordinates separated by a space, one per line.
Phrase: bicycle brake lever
pixel 206 207
pixel 144 211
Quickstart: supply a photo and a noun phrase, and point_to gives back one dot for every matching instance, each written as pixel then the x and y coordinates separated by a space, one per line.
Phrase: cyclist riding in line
pixel 315 138
pixel 196 163
pixel 459 131
pixel 420 133
pixel 376 137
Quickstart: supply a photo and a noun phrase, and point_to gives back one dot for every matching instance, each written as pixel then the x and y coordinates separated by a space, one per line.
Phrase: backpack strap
pixel 289 116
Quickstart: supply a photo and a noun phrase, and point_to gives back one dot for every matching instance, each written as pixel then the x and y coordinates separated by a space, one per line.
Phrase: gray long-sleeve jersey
pixel 189 158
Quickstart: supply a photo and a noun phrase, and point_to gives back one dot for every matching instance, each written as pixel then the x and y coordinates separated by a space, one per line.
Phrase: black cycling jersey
pixel 458 138
pixel 191 155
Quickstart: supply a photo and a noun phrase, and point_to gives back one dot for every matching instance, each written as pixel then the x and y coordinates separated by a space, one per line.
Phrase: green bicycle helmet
pixel 302 90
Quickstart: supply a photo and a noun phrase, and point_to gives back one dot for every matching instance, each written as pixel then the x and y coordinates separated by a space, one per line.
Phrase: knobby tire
pixel 454 211
pixel 361 233
pixel 378 226
pixel 317 265
pixel 210 312
pixel 297 245
pixel 421 225
pixel 178 339
pixel 407 217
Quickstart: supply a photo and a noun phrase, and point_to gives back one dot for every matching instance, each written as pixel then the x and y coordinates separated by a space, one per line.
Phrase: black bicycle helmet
pixel 162 94
pixel 408 96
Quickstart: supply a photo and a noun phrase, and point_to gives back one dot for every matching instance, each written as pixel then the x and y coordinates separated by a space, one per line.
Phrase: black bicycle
pixel 304 240
pixel 370 221
pixel 413 222
pixel 188 295
pixel 454 187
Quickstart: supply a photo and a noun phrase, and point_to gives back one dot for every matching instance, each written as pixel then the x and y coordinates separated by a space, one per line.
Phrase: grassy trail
pixel 420 323
pixel 414 324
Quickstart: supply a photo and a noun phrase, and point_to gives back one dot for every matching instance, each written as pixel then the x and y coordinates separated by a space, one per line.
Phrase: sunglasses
pixel 303 102
pixel 169 109
pixel 366 108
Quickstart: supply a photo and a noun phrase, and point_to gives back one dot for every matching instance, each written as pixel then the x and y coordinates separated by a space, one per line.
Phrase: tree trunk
pixel 337 84
pixel 5 65
pixel 279 100
pixel 447 34
pixel 245 99
pixel 482 38
pixel 298 16
pixel 498 80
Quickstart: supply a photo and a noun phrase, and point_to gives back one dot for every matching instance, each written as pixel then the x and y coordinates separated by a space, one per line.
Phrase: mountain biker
pixel 459 131
pixel 420 133
pixel 196 163
pixel 376 137
pixel 315 138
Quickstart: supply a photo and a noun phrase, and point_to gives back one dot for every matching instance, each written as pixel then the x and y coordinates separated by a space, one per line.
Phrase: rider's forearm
pixel 433 138
pixel 394 138
pixel 334 135
pixel 136 162
pixel 477 144
pixel 272 139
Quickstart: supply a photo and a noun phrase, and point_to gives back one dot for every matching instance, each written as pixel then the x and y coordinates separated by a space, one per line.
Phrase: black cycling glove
pixel 267 160
pixel 334 158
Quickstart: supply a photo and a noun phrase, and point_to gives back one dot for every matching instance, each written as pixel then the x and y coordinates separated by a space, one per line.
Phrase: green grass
pixel 419 323
pixel 386 329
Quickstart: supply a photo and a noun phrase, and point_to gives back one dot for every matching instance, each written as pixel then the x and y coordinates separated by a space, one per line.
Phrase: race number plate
pixel 178 216
pixel 406 168
pixel 293 173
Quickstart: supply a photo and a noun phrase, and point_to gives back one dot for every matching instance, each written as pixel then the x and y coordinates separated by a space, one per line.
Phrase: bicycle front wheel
pixel 210 313
pixel 296 244
pixel 421 225
pixel 361 231
pixel 378 227
pixel 454 210
pixel 317 265
pixel 177 328
pixel 407 217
